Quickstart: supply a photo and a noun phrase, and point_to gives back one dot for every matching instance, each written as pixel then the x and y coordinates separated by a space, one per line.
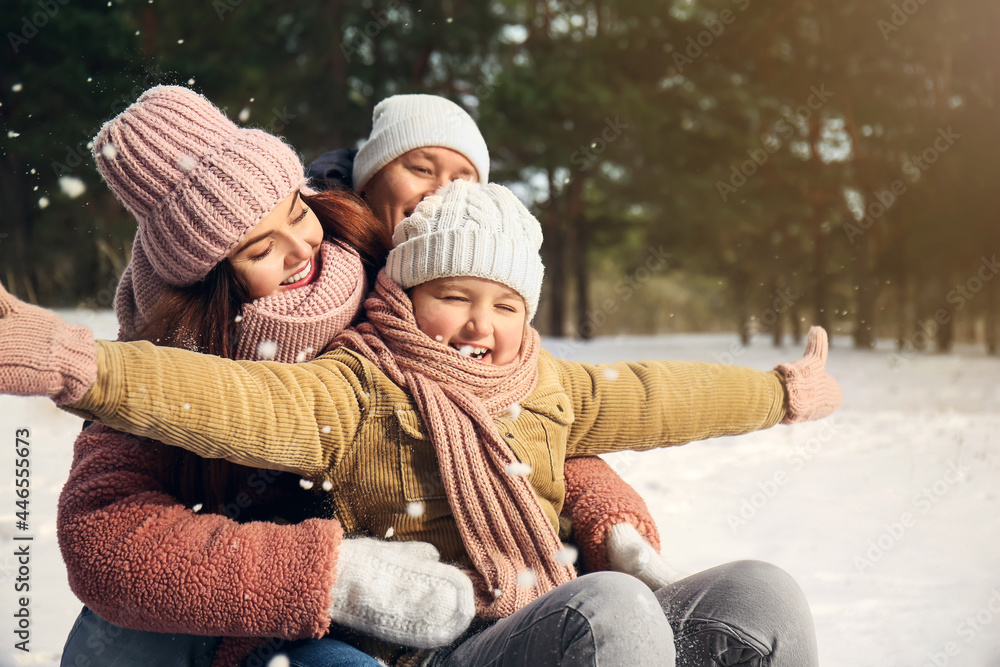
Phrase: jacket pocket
pixel 418 464
pixel 555 407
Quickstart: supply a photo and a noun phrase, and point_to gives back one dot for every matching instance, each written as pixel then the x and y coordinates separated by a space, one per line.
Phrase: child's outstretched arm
pixel 40 355
pixel 296 417
pixel 659 403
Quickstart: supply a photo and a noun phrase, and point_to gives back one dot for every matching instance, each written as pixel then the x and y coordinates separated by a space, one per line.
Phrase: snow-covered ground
pixel 887 513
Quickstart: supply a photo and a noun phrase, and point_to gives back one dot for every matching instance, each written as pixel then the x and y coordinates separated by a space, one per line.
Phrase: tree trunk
pixel 555 276
pixel 864 313
pixel 992 325
pixel 774 306
pixel 742 307
pixel 821 291
pixel 576 249
pixel 15 241
pixel 944 338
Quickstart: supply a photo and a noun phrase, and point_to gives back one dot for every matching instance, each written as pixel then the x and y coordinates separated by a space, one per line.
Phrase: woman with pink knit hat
pixel 222 211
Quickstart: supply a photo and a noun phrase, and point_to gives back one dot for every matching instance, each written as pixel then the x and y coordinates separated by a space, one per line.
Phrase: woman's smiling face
pixel 282 251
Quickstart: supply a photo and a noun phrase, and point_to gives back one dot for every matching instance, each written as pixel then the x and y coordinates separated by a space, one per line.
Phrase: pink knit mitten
pixel 40 355
pixel 812 393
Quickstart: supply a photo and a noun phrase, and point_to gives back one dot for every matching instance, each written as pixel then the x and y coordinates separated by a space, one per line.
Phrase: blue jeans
pixel 95 642
pixel 742 614
pixel 327 652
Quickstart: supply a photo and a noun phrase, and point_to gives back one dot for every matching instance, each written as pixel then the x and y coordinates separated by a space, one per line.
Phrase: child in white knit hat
pixel 419 144
pixel 440 419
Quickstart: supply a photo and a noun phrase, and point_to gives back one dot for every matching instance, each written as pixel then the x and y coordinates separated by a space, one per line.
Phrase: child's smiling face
pixel 485 317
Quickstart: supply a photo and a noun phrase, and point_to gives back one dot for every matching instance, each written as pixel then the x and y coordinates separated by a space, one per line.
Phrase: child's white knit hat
pixel 470 229
pixel 403 122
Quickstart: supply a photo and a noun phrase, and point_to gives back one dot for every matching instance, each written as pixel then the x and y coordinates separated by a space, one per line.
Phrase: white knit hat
pixel 403 122
pixel 470 229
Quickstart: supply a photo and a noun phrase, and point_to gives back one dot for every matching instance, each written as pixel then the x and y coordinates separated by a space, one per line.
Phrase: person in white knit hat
pixel 418 144
pixel 440 419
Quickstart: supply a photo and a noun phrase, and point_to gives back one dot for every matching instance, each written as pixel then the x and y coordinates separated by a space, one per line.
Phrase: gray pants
pixel 742 614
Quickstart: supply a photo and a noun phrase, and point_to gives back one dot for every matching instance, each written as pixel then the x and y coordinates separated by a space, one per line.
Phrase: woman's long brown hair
pixel 203 317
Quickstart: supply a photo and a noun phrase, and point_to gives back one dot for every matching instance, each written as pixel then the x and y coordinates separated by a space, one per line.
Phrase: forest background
pixel 697 165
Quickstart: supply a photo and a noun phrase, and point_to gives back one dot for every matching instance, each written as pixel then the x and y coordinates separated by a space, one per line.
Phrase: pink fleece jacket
pixel 141 559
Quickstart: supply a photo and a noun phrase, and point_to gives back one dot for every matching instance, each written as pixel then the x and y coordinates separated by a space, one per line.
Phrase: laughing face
pixel 481 318
pixel 399 186
pixel 282 251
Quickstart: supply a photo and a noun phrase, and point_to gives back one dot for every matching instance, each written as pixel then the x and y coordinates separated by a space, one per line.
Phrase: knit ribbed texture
pixel 398 591
pixel 402 123
pixel 40 355
pixel 470 229
pixel 194 180
pixel 302 321
pixel 503 527
pixel 812 392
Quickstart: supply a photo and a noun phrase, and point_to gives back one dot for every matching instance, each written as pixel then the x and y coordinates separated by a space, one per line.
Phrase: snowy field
pixel 887 514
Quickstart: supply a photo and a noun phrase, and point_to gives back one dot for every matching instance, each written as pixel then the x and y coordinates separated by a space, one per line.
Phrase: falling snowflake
pixel 497 592
pixel 304 355
pixel 196 508
pixel 526 579
pixel 186 406
pixel 518 469
pixel 439 338
pixel 514 411
pixel 238 318
pixel 610 374
pixel 246 596
pixel 16 88
pixel 280 660
pixel 191 81
pixel 465 350
pixel 186 163
pixel 305 483
pixel 43 202
pixel 180 41
pixel 389 533
pixel 244 114
pixel 72 186
pixel 325 430
pixel 567 555
pixel 327 485
pixel 415 509
pixel 267 350
pixel 109 151
pixel 11 134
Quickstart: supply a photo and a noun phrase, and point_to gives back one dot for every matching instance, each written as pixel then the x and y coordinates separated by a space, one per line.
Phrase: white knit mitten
pixel 630 553
pixel 399 592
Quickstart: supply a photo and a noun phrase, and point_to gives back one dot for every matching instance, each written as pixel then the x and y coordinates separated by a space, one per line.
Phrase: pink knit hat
pixel 197 183
pixel 194 180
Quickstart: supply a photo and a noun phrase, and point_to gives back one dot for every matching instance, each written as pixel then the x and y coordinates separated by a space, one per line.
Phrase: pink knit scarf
pixel 294 325
pixel 503 526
